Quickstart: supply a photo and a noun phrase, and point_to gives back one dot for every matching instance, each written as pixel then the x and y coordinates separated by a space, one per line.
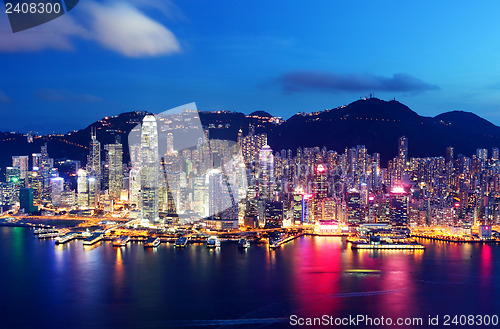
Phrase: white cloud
pixel 124 29
pixel 117 26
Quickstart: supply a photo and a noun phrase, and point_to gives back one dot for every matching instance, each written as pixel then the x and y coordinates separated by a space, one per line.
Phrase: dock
pixel 284 240
pixel 93 239
pixel 66 238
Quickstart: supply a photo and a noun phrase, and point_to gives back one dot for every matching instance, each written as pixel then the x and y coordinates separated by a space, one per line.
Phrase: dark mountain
pixel 378 124
pixel 262 114
pixel 375 123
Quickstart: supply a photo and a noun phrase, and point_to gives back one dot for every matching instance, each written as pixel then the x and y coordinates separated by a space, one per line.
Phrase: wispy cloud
pixel 4 99
pixel 302 81
pixel 59 95
pixel 124 29
pixel 120 26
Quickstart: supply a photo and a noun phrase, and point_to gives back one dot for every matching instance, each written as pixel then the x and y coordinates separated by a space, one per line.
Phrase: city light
pixel 321 168
pixel 398 190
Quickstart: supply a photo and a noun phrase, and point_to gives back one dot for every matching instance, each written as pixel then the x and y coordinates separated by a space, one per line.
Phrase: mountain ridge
pixel 372 122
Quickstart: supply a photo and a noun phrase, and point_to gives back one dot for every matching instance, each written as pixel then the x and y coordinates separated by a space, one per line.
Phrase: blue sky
pixel 107 57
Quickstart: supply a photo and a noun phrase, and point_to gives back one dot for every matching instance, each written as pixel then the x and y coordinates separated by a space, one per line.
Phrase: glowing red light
pixel 307 196
pixel 457 205
pixel 371 198
pixel 321 168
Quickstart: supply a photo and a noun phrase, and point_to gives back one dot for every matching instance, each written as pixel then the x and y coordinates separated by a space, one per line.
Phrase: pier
pixel 284 240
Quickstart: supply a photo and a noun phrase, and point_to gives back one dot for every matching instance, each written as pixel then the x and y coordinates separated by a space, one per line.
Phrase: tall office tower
pixel 482 154
pixel 35 182
pixel 13 175
pixel 26 200
pixel 83 189
pixel 149 171
pixel 94 158
pixel 93 192
pixel 403 148
pixel 399 207
pixel 266 175
pixel 36 160
pixel 495 153
pixel 449 154
pixel 362 160
pixel 114 157
pixel 57 186
pixel 251 145
pixel 354 211
pixel 320 190
pixel 23 163
pixel 46 165
pixel 375 174
pixel 134 186
pixel 170 143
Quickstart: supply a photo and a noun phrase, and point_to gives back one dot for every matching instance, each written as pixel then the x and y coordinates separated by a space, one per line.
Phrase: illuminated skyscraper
pixel 399 207
pixel 266 176
pixel 320 190
pixel 93 192
pixel 57 186
pixel 83 190
pixel 114 157
pixel 495 153
pixel 449 154
pixel 170 143
pixel 403 148
pixel 149 171
pixel 23 163
pixel 46 165
pixel 354 211
pixel 482 154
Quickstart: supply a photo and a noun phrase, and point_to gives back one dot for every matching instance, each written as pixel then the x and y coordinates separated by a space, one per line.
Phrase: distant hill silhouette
pixel 375 123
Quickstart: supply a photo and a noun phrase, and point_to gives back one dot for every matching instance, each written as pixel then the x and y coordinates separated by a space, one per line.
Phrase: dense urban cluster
pixel 226 185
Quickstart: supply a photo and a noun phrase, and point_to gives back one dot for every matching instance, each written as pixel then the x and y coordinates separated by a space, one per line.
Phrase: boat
pixel 386 246
pixel 213 242
pixel 152 242
pixel 121 242
pixel 243 243
pixel 362 271
pixel 181 242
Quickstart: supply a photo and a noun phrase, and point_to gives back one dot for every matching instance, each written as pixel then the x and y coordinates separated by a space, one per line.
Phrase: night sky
pixel 107 57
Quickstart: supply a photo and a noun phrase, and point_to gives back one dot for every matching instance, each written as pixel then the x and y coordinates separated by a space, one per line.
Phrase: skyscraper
pixel 149 171
pixel 83 189
pixel 114 157
pixel 57 186
pixel 94 157
pixel 26 200
pixel 399 207
pixel 23 163
pixel 266 175
pixel 403 148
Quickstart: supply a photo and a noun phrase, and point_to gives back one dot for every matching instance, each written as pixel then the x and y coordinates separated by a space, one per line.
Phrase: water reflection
pixel 102 286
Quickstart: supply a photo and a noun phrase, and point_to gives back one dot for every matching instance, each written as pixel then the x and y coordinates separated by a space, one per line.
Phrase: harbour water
pixel 43 285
